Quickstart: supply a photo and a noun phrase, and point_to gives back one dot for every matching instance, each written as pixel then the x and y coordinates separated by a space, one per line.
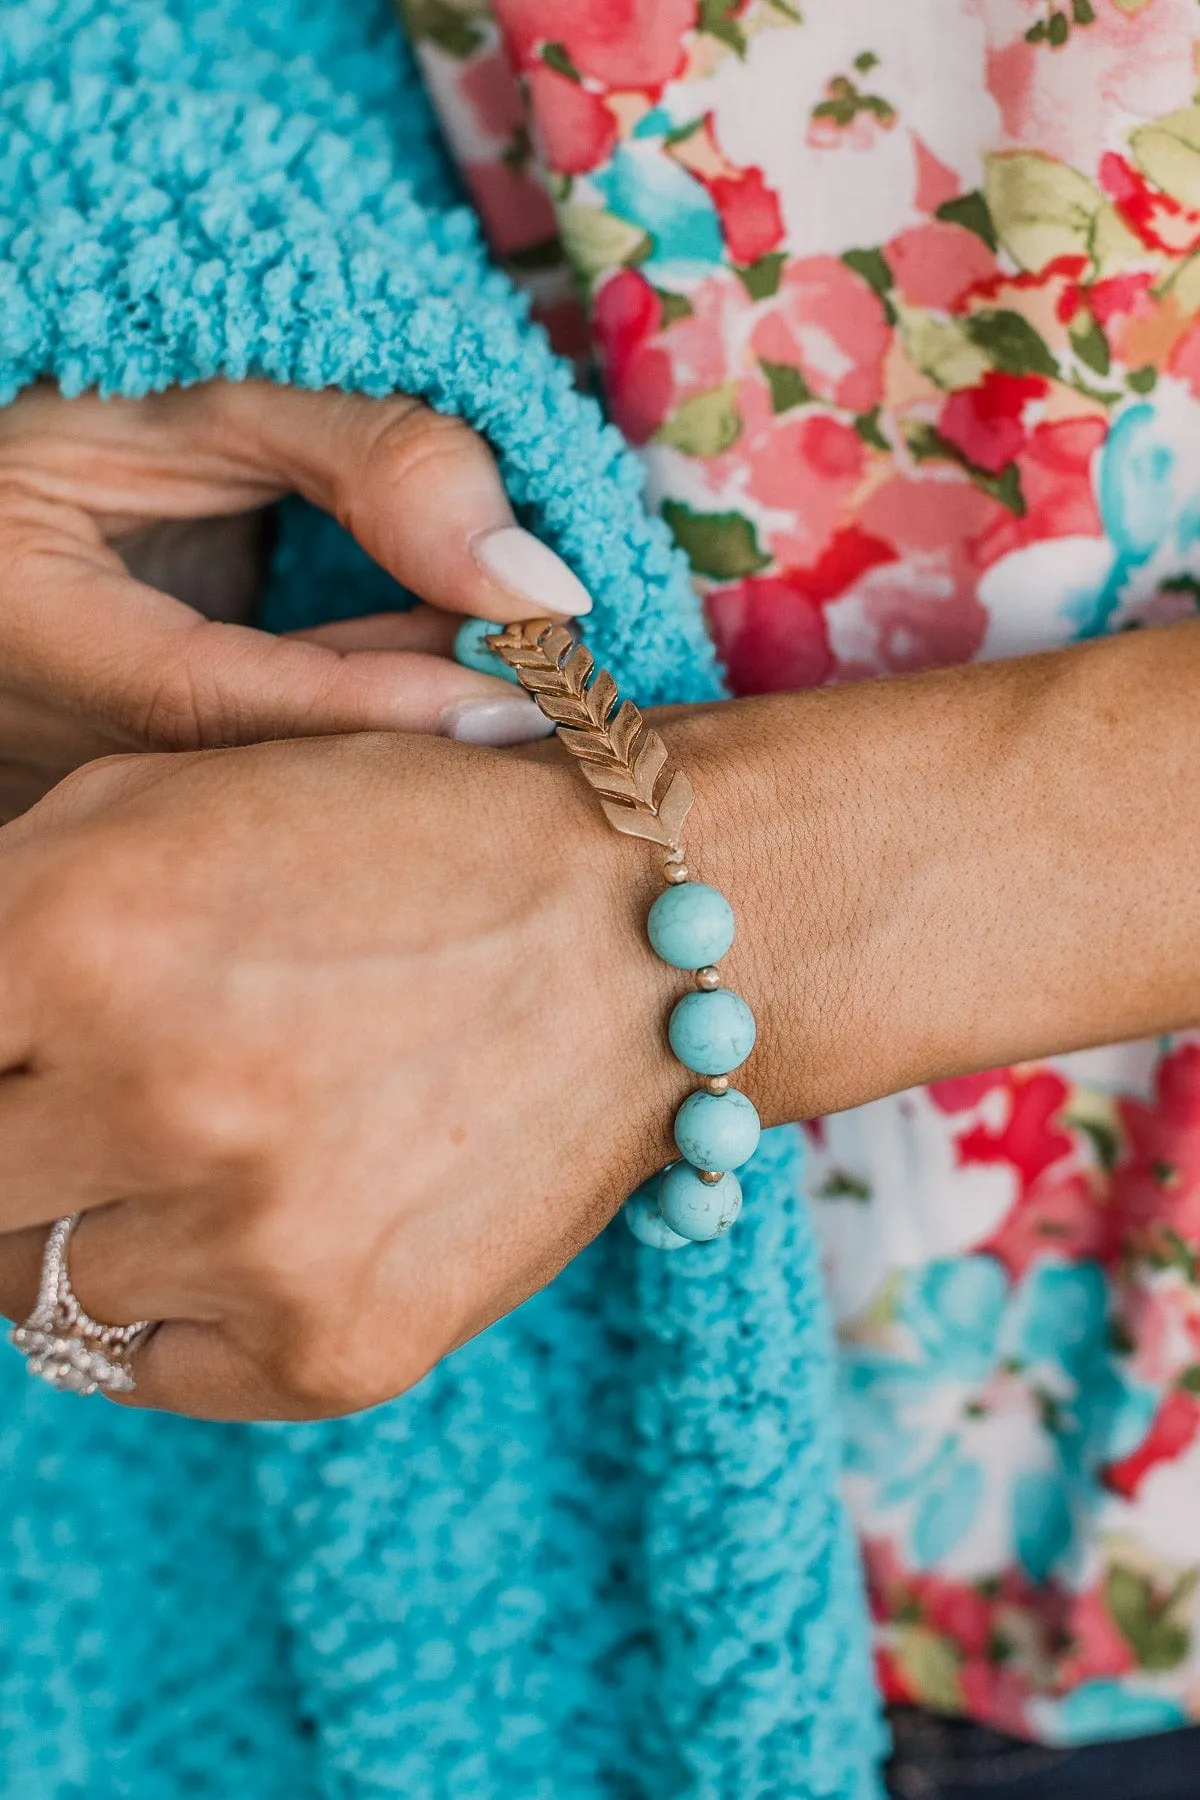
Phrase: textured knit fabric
pixel 600 1551
pixel 901 305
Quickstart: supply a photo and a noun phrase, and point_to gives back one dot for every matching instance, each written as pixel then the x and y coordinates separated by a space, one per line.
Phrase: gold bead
pixel 717 1084
pixel 711 1176
pixel 709 978
pixel 676 873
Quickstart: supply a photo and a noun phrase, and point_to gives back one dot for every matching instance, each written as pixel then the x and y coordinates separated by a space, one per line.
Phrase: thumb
pixel 419 490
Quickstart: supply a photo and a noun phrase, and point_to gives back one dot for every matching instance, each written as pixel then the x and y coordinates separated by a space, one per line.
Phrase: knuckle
pixel 329 1374
pixel 411 445
pixel 198 1113
pixel 74 934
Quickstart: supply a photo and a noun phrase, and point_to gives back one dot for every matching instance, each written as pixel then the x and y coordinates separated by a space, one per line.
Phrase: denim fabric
pixel 954 1759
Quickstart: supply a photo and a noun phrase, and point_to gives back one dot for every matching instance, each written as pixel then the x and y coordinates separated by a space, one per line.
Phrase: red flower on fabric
pixel 638 376
pixel 937 264
pixel 749 211
pixel 1161 222
pixel 575 128
pixel 831 325
pixel 1157 1187
pixel 987 423
pixel 620 43
pixel 770 630
pixel 1030 1140
pixel 1172 1432
pixel 1060 1214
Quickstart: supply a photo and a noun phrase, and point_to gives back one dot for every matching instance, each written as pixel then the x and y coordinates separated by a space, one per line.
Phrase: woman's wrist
pixel 951 871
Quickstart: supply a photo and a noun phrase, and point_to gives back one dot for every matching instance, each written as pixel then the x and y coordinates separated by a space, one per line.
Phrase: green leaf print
pixel 596 241
pixel 555 57
pixel 1089 343
pixel 872 266
pixel 1041 208
pixel 870 431
pixel 788 386
pixel 723 545
pixel 941 349
pixel 1143 380
pixel 704 425
pixel 719 19
pixel 455 26
pixel 672 307
pixel 1168 151
pixel 1149 1620
pixel 931 1666
pixel 926 444
pixel 761 279
pixel 972 213
pixel 1011 343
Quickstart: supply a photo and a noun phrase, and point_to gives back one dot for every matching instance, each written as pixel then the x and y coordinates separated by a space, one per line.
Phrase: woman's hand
pixel 130 552
pixel 345 1046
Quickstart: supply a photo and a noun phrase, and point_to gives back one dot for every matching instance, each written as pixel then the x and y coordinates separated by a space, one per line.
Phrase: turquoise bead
pixel 712 1033
pixel 647 1223
pixel 472 652
pixel 691 925
pixel 698 1209
pixel 717 1131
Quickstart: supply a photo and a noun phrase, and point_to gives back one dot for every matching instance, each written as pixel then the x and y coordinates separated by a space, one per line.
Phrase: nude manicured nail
pixel 496 722
pixel 531 570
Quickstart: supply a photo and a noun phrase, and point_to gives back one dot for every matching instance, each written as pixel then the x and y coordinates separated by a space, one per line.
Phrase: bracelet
pixel 690 926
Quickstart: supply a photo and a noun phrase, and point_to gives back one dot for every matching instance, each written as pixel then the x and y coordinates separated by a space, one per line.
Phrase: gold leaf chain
pixel 622 757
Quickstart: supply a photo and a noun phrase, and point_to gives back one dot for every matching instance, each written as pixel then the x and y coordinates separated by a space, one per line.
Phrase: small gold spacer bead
pixel 708 978
pixel 716 1084
pixel 676 873
pixel 711 1176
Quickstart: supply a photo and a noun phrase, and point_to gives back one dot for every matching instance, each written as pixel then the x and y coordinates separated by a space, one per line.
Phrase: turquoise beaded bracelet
pixel 691 925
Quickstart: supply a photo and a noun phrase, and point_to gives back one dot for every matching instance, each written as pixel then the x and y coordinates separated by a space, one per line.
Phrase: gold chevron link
pixel 619 754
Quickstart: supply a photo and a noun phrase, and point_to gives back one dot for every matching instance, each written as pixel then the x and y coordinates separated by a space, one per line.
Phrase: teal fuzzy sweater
pixel 599 1554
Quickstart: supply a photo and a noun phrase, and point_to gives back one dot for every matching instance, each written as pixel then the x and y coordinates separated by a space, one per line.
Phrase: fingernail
pixel 531 570
pixel 495 722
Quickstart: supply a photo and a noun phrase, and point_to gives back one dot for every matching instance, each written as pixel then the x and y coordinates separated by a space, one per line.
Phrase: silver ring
pixel 65 1345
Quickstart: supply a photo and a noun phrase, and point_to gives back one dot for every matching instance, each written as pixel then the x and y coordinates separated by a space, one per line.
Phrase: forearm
pixel 957 870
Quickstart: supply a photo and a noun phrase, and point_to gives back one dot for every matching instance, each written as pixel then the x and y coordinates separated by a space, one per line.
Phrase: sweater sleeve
pixel 193 189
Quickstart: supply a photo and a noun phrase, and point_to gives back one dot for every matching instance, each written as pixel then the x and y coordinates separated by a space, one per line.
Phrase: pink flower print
pixel 1172 1432
pixel 770 630
pixel 1060 1214
pixel 575 129
pixel 1055 469
pixel 638 378
pixel 998 1694
pixel 956 1610
pixel 513 206
pixel 937 264
pixel 936 182
pixel 918 612
pixel 751 220
pixel 1184 362
pixel 830 324
pixel 1156 1190
pixel 622 44
pixel 1097 1648
pixel 1159 1316
pixel 1129 60
pixel 1161 222
pixel 804 468
pixel 490 89
pixel 988 423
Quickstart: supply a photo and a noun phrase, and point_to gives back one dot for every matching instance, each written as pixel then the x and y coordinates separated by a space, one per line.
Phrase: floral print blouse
pixel 902 304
